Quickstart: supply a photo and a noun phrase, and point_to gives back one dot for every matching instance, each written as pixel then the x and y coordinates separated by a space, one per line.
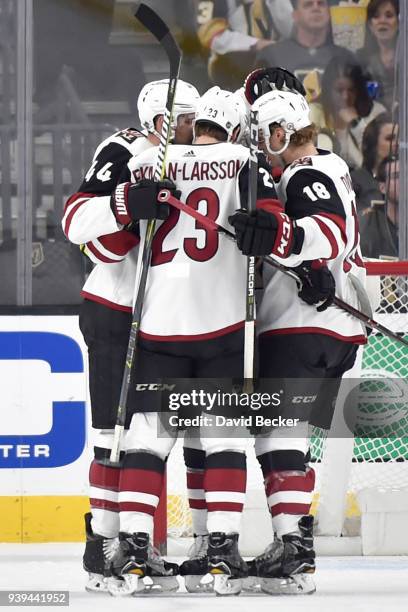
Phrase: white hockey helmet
pixel 152 102
pixel 290 110
pixel 244 109
pixel 220 107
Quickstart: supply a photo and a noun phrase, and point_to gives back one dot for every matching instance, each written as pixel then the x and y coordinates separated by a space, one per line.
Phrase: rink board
pixel 45 416
pixel 44 452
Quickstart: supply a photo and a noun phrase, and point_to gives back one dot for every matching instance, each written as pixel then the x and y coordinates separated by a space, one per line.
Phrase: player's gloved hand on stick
pixel 135 201
pixel 265 233
pixel 318 284
pixel 262 80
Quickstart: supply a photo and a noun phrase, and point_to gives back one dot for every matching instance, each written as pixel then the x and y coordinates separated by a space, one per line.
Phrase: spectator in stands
pixel 310 48
pixel 345 108
pixel 380 139
pixel 378 53
pixel 379 224
pixel 233 31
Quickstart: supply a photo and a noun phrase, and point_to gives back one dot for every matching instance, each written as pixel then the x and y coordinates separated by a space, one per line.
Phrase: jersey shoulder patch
pixel 302 161
pixel 130 135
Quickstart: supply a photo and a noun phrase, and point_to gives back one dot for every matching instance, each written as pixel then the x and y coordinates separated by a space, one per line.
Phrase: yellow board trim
pixel 29 519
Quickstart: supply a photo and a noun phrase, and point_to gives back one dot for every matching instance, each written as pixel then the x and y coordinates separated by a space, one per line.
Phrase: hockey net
pixel 376 460
pixel 379 461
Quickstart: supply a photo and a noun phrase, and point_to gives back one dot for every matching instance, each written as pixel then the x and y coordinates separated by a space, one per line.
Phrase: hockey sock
pixel 289 485
pixel 194 460
pixel 103 494
pixel 140 486
pixel 225 485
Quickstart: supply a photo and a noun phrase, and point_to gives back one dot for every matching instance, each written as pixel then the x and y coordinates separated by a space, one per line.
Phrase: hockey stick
pixel 250 315
pixel 166 196
pixel 161 32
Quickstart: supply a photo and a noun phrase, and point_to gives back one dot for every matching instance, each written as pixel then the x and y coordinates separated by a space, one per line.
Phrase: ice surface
pixel 344 584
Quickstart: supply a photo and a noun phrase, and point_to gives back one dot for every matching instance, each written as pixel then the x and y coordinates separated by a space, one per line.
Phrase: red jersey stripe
pixel 137 507
pixel 288 508
pixel 104 504
pixel 104 477
pixel 144 481
pixel 217 479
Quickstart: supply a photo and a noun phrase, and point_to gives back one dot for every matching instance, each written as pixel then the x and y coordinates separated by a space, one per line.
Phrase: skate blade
pixel 96 584
pixel 225 585
pixel 158 584
pixel 127 586
pixel 199 584
pixel 301 584
pixel 251 584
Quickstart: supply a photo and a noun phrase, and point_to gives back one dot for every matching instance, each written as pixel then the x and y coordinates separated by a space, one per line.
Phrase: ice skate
pixel 195 568
pixel 286 566
pixel 225 563
pixel 94 559
pixel 140 568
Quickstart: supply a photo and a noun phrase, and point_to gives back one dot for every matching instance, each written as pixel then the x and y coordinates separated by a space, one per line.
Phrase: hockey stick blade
pixel 165 196
pixel 161 32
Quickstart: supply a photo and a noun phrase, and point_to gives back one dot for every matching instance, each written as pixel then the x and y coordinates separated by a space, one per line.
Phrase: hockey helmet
pixel 221 108
pixel 290 110
pixel 244 109
pixel 153 97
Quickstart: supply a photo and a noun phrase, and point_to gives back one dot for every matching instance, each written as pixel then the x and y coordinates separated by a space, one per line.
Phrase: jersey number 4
pixel 104 174
pixel 190 245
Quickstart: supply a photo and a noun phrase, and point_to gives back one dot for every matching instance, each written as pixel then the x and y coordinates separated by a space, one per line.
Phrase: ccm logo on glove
pixel 286 237
pixel 264 233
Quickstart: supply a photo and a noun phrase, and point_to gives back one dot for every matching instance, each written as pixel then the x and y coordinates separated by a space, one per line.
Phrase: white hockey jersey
pixel 316 191
pixel 196 283
pixel 89 220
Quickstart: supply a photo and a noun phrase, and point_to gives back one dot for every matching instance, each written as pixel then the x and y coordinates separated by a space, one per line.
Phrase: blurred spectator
pixel 379 224
pixel 380 139
pixel 310 47
pixel 233 31
pixel 345 108
pixel 378 53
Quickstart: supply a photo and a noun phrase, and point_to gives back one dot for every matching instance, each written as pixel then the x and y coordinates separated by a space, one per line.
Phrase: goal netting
pixel 376 458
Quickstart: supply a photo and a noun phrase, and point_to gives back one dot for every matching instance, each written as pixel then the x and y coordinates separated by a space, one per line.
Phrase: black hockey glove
pixel 265 233
pixel 135 201
pixel 318 284
pixel 262 80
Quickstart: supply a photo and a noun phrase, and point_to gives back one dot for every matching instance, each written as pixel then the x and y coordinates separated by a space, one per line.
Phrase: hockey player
pixel 194 457
pixel 317 222
pixel 196 566
pixel 191 327
pixel 257 82
pixel 106 311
